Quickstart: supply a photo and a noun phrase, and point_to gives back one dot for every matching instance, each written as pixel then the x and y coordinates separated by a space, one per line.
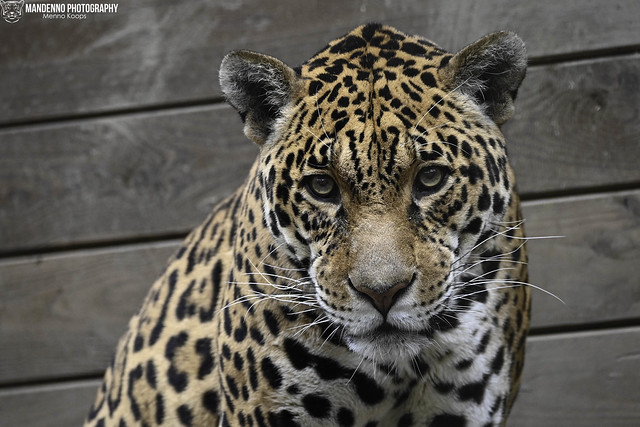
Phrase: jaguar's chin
pixel 388 345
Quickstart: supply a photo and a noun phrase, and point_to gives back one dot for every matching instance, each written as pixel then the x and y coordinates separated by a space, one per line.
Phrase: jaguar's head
pixel 382 169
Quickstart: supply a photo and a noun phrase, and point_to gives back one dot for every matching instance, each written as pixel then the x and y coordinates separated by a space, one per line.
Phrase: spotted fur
pixel 372 268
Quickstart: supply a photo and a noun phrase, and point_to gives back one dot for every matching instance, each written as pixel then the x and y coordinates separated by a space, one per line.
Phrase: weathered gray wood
pixel 104 179
pixel 594 267
pixel 583 379
pixel 55 405
pixel 154 52
pixel 62 315
pixel 576 126
pixel 588 379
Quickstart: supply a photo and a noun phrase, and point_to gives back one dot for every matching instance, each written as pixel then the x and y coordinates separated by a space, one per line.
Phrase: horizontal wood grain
pixel 593 267
pixel 576 126
pixel 62 315
pixel 587 379
pixel 155 52
pixel 150 174
pixel 51 405
pixel 118 178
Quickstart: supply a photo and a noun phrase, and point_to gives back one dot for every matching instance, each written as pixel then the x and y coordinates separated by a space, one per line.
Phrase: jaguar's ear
pixel 490 71
pixel 259 87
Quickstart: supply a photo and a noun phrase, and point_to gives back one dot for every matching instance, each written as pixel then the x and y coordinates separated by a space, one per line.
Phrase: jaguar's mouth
pixel 382 330
pixel 386 329
pixel 388 344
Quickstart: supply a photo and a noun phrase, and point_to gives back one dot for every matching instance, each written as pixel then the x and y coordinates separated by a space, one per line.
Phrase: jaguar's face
pixel 383 213
pixel 381 169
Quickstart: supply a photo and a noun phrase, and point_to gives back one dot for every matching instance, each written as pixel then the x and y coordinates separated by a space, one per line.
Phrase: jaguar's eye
pixel 430 179
pixel 322 187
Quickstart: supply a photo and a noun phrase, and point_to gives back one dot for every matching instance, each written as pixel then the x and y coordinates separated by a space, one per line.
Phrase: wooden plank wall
pixel 114 142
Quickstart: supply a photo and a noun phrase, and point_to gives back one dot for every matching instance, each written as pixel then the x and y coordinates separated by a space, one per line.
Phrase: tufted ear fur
pixel 259 87
pixel 490 71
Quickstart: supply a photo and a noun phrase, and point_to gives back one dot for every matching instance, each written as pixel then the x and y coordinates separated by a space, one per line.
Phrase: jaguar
pixel 370 271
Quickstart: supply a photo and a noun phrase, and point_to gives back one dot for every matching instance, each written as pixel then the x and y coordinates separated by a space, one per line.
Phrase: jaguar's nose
pixel 382 299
